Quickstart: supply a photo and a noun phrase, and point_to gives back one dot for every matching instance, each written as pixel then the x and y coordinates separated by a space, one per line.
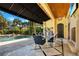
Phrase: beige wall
pixel 53 23
pixel 74 22
pixel 49 23
pixel 77 32
pixel 65 22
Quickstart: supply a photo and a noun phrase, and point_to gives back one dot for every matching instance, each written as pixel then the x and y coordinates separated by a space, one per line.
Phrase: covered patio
pixel 42 14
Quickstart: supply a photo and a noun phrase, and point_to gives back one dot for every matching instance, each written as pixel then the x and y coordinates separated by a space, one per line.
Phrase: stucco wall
pixel 77 30
pixel 53 23
pixel 74 22
pixel 65 22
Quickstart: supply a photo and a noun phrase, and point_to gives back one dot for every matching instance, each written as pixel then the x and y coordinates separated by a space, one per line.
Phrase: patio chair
pixel 39 40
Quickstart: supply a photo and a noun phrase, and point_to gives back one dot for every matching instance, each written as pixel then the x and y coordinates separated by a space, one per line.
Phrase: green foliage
pixel 5 30
pixel 3 22
pixel 16 30
pixel 1 31
pixel 16 21
pixel 24 23
pixel 25 32
pixel 39 29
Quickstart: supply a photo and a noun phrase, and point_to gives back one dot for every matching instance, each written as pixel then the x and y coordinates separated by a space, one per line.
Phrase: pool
pixel 20 37
pixel 3 39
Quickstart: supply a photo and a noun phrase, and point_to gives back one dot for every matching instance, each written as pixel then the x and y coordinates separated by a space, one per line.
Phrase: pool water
pixel 3 39
pixel 20 37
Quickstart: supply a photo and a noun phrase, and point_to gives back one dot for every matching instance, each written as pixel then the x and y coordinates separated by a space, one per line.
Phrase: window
pixel 73 34
pixel 69 31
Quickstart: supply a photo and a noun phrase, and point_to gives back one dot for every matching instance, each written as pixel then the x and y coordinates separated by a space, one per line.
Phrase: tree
pixel 3 22
pixel 16 22
pixel 24 23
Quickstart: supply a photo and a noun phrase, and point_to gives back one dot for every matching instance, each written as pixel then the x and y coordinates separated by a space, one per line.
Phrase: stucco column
pixel 44 32
pixel 34 27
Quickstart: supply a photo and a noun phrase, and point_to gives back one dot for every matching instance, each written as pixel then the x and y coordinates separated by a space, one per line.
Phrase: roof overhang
pixel 30 11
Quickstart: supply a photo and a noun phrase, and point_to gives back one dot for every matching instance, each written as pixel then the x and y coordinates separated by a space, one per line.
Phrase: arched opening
pixel 60 30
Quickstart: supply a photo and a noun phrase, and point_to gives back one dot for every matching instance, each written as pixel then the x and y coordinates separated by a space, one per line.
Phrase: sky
pixel 72 8
pixel 11 17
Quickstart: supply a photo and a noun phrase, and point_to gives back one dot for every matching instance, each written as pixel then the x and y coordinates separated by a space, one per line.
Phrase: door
pixel 60 30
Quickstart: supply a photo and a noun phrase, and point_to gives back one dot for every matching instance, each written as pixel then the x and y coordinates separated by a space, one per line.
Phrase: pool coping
pixel 9 42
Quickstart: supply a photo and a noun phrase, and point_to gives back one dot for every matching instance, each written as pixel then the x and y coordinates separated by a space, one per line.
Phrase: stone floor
pixel 26 51
pixel 29 49
pixel 56 50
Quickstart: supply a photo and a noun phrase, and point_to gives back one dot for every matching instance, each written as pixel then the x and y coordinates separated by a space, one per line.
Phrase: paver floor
pixel 57 49
pixel 27 48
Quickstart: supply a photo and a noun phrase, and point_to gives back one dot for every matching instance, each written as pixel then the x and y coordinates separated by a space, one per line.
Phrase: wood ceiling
pixel 59 9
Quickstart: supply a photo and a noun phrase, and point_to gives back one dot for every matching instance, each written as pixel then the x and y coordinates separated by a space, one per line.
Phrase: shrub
pixel 25 31
pixel 16 30
pixel 39 29
pixel 1 31
pixel 5 30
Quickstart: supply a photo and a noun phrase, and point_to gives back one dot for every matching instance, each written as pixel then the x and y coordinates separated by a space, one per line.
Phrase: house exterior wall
pixel 74 22
pixel 65 23
pixel 53 23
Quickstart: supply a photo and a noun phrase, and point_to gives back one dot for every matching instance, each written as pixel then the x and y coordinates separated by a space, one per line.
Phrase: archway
pixel 60 30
